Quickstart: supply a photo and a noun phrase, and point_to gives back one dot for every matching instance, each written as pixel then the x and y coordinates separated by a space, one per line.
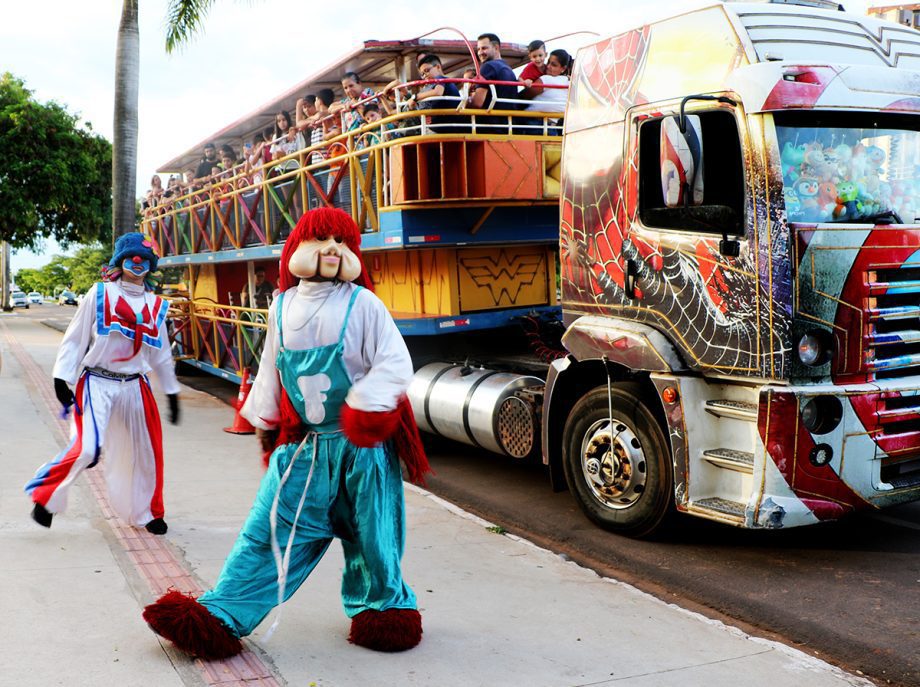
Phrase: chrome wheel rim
pixel 613 464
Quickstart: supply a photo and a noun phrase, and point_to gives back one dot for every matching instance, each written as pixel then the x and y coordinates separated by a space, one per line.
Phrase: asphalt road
pixel 848 592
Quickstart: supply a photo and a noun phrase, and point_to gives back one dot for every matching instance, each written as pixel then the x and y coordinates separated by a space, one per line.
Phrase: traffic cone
pixel 240 424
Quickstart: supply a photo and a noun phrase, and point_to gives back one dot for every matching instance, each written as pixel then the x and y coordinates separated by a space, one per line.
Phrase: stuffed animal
pixel 793 204
pixel 875 160
pixel 814 162
pixel 858 162
pixel 827 198
pixel 848 204
pixel 792 158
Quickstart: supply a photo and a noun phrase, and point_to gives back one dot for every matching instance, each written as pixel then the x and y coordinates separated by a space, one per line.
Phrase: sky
pixel 251 51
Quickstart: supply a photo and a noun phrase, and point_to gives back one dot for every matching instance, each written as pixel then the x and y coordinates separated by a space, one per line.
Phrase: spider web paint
pixel 686 288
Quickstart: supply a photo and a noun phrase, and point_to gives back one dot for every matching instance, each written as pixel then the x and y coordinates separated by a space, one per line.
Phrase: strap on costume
pixel 278 314
pixel 351 302
pixel 283 563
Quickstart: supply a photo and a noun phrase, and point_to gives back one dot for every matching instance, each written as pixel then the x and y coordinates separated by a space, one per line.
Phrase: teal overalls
pixel 323 487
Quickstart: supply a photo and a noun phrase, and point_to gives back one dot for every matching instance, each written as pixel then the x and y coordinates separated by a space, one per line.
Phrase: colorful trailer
pixel 738 271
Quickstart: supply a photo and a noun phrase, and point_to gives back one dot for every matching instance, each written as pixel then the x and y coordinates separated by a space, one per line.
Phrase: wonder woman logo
pixel 504 276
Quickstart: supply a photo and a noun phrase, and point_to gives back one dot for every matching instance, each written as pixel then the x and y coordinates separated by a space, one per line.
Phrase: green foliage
pixel 49 280
pixel 28 279
pixel 77 273
pixel 184 18
pixel 55 175
pixel 85 266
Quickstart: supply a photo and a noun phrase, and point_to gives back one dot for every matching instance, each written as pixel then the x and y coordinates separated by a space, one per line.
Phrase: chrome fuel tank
pixel 476 406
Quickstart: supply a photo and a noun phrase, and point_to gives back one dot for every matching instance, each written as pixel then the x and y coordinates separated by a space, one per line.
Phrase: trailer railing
pixel 259 207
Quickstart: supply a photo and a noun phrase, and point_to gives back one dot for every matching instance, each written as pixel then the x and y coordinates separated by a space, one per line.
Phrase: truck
pixel 704 298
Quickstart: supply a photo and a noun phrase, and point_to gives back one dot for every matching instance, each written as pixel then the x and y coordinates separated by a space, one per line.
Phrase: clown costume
pixel 331 387
pixel 117 336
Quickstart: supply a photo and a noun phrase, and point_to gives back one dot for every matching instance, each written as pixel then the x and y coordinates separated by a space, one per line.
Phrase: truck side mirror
pixel 681 161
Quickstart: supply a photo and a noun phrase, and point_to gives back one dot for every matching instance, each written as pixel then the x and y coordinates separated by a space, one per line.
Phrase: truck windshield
pixel 850 167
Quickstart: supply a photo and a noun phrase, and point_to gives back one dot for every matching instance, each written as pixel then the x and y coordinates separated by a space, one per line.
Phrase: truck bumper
pixel 842 448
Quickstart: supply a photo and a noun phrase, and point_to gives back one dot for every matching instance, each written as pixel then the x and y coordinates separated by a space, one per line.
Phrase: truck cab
pixel 740 270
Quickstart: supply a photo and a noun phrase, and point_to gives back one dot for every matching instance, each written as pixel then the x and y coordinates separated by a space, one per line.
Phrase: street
pixel 848 592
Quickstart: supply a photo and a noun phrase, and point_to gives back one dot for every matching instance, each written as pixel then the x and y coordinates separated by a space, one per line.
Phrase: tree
pixel 85 267
pixel 55 175
pixel 29 279
pixel 124 128
pixel 53 277
pixel 184 18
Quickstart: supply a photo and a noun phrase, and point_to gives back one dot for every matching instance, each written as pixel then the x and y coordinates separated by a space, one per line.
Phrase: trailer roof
pixel 375 61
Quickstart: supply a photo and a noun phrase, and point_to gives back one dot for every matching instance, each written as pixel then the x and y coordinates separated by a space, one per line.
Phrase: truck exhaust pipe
pixel 497 411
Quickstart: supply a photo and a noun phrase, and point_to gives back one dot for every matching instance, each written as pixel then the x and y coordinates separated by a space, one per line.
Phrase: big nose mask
pixel 324 260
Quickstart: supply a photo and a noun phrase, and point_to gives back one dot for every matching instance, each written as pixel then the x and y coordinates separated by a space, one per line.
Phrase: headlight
pixel 822 414
pixel 815 348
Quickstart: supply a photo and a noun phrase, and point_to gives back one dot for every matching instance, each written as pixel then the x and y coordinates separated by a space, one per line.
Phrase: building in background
pixel 905 13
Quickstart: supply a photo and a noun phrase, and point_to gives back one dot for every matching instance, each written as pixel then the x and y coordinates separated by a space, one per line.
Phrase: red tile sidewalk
pixel 152 555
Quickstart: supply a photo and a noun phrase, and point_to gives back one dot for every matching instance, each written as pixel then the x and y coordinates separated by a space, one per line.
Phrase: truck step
pixel 720 505
pixel 742 461
pixel 736 410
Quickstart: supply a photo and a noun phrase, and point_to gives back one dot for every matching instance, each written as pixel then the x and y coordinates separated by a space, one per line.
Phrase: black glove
pixel 63 392
pixel 173 408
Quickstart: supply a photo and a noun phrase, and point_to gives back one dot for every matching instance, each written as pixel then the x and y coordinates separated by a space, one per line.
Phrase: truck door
pixel 686 280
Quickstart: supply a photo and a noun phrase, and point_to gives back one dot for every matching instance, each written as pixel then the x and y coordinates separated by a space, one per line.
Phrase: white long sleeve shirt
pixel 375 355
pixel 99 334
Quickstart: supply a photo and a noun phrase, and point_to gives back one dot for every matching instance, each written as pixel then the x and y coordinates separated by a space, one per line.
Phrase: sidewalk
pixel 497 611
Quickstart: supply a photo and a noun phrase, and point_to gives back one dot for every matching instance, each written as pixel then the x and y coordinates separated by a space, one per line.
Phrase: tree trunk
pixel 5 275
pixel 124 153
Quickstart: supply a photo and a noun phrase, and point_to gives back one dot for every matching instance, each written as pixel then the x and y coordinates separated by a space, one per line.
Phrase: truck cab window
pixel 723 176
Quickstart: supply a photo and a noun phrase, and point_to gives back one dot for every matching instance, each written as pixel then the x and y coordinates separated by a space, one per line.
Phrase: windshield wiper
pixel 884 217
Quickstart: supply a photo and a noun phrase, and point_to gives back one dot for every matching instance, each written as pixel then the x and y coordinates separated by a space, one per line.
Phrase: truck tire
pixel 629 489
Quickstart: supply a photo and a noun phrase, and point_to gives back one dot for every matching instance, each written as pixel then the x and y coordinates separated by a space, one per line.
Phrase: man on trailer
pixel 330 395
pixel 117 336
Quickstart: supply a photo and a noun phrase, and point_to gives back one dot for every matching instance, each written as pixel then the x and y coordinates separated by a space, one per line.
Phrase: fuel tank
pixel 498 411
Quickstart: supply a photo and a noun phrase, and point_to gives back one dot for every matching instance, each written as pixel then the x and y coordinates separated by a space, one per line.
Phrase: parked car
pixel 36 297
pixel 67 298
pixel 18 300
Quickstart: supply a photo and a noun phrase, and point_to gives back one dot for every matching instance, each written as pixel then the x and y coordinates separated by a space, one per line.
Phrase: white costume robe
pixel 115 416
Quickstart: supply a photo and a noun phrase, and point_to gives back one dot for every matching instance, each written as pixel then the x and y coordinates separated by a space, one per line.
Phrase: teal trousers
pixel 354 494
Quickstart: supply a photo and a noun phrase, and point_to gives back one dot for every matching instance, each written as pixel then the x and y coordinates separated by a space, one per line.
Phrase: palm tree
pixel 124 149
pixel 184 18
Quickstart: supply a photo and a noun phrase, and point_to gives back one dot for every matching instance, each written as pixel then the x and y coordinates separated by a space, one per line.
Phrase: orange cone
pixel 240 424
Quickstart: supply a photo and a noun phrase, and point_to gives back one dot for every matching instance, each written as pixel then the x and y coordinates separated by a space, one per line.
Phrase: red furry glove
pixel 366 429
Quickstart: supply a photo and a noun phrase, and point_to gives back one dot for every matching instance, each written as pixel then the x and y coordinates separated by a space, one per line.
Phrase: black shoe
pixel 41 515
pixel 156 526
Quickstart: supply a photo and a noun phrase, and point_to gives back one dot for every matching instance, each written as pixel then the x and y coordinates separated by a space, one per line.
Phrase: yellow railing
pixel 223 337
pixel 244 210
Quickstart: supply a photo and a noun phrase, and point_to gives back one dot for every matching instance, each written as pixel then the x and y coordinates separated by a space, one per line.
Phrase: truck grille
pixel 893 338
pixel 899 437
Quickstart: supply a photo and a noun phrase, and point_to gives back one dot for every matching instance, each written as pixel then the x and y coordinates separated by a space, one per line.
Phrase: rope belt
pixel 115 376
pixel 283 560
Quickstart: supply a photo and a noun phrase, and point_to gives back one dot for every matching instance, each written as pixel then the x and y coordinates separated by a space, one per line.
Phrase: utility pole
pixel 5 275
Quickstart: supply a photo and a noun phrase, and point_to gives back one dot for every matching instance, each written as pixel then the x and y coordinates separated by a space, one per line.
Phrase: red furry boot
pixel 187 624
pixel 395 629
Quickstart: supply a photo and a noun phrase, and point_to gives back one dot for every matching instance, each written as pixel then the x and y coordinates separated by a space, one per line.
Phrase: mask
pixel 325 259
pixel 136 266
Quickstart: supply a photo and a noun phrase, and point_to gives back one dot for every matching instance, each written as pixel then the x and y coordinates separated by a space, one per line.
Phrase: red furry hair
pixel 316 223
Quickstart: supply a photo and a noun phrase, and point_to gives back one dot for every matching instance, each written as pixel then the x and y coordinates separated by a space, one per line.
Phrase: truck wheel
pixel 622 479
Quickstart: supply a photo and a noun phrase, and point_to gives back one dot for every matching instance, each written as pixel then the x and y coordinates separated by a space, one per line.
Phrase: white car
pixel 18 300
pixel 36 297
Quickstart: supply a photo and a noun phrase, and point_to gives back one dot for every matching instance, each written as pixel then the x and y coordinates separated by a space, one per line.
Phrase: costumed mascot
pixel 330 394
pixel 116 337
